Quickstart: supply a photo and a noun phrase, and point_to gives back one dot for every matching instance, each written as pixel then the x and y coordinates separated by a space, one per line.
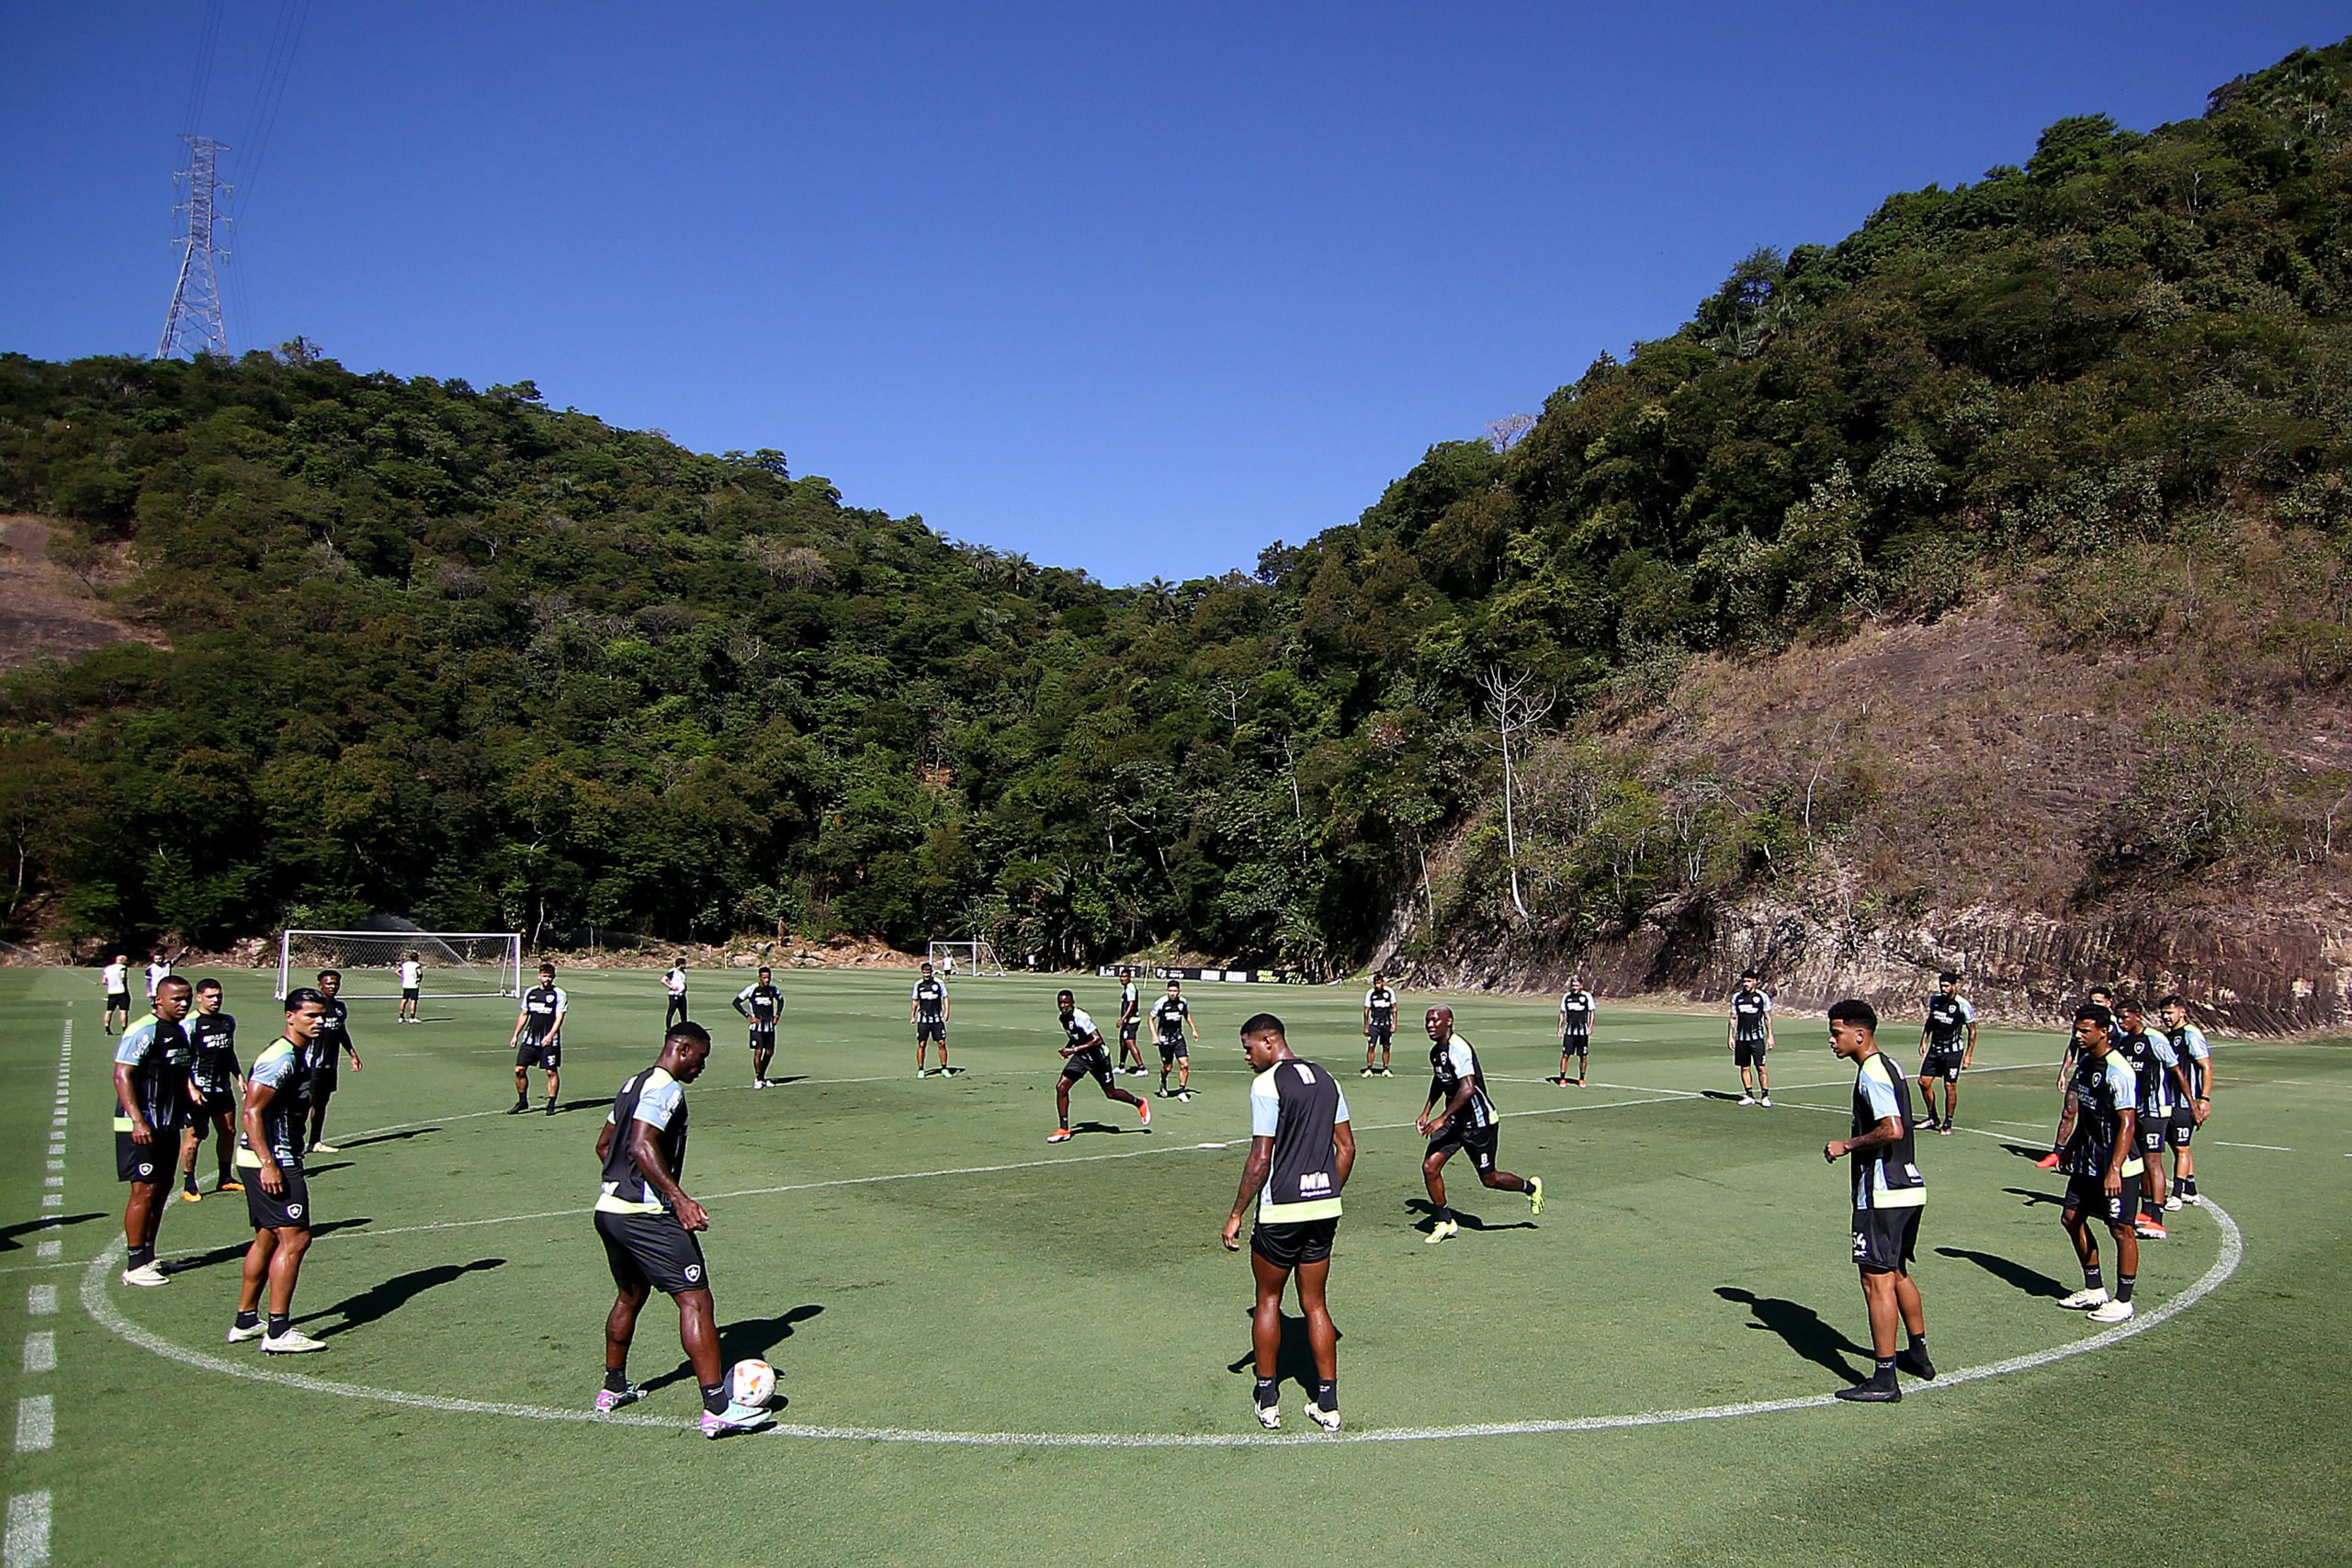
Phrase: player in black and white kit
pixel 929 1008
pixel 1130 1023
pixel 2162 1086
pixel 1084 1055
pixel 2100 997
pixel 2103 1166
pixel 1889 1195
pixel 159 968
pixel 334 1042
pixel 221 1084
pixel 674 985
pixel 1576 1010
pixel 1379 1026
pixel 277 1200
pixel 762 1004
pixel 1748 1036
pixel 115 980
pixel 648 1225
pixel 1946 1049
pixel 538 1040
pixel 2190 1049
pixel 154 1101
pixel 412 987
pixel 1458 1115
pixel 1301 1149
pixel 1171 1015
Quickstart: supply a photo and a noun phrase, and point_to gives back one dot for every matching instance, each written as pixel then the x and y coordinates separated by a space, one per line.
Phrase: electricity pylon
pixel 194 325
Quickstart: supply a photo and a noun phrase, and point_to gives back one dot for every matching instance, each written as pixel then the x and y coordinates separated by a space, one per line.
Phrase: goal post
pixel 455 963
pixel 965 958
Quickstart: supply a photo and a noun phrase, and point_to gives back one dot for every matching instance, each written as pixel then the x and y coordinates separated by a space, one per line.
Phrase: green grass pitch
pixel 912 1256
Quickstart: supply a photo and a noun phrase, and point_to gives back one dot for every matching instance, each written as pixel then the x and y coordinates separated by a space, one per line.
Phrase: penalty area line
pixel 101 1308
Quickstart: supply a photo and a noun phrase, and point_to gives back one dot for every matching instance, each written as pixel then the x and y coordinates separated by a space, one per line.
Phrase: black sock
pixel 2188 1187
pixel 188 1180
pixel 1884 1370
pixel 1266 1393
pixel 615 1380
pixel 281 1323
pixel 141 1255
pixel 247 1319
pixel 2093 1278
pixel 2123 1284
pixel 1445 1213
pixel 1918 1344
pixel 714 1398
pixel 1065 1123
pixel 1327 1394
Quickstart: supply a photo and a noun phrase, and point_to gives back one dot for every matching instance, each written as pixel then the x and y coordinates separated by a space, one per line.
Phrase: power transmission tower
pixel 194 326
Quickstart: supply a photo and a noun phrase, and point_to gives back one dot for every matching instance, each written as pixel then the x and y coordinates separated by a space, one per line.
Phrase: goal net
pixel 454 963
pixel 965 958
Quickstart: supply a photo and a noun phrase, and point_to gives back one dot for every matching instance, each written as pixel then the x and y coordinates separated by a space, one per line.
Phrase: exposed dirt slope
pixel 46 612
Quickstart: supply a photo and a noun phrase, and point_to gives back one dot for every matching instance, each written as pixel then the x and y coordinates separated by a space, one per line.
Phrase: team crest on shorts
pixel 147 1168
pixel 293 1210
pixel 694 1272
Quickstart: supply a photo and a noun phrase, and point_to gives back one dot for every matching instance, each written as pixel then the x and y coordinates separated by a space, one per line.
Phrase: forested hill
pixel 455 654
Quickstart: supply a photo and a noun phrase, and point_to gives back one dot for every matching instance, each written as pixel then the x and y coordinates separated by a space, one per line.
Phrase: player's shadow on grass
pixel 1295 1362
pixel 386 1138
pixel 380 1301
pixel 604 1104
pixel 1722 1094
pixel 1104 1127
pixel 747 1338
pixel 2054 1200
pixel 8 1234
pixel 236 1249
pixel 322 1169
pixel 1801 1329
pixel 2024 1151
pixel 1463 1217
pixel 2033 1282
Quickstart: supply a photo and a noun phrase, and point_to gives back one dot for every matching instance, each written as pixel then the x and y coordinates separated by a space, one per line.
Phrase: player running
pixel 762 1004
pixel 1301 1149
pixel 335 1041
pixel 411 987
pixel 1171 1015
pixel 278 1199
pixel 1946 1049
pixel 2103 1166
pixel 929 1008
pixel 674 985
pixel 1130 1023
pixel 1458 1115
pixel 2196 1058
pixel 1083 1054
pixel 1379 1026
pixel 2162 1087
pixel 154 1101
pixel 1889 1193
pixel 1576 1010
pixel 220 1088
pixel 538 1040
pixel 648 1224
pixel 1749 1037
pixel 115 980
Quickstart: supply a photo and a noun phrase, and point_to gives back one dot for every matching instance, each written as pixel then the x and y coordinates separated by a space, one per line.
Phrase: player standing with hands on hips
pixel 1889 1193
pixel 1301 1149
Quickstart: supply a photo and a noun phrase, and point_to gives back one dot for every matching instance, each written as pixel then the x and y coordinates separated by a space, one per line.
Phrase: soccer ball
pixel 752 1382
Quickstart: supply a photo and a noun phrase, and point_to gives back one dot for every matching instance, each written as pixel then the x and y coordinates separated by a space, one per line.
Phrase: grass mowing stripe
pixel 101 1309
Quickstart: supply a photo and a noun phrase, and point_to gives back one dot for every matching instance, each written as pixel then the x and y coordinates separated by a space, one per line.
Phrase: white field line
pixel 101 1308
pixel 26 1544
pixel 35 1423
pixel 2274 1148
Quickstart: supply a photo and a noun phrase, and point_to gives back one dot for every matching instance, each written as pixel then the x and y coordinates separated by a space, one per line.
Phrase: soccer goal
pixel 455 963
pixel 965 958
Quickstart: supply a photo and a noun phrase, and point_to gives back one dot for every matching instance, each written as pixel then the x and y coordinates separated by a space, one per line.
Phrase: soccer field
pixel 998 1351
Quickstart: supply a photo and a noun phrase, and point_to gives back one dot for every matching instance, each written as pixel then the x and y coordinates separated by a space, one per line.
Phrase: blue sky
pixel 1135 289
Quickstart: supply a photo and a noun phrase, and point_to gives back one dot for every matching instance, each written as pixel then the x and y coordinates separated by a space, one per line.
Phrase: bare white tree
pixel 1515 705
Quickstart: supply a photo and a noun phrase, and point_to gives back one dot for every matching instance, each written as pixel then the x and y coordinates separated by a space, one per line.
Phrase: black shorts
pixel 1287 1247
pixel 925 1028
pixel 408 993
pixel 1380 1034
pixel 322 1081
pixel 1094 1060
pixel 118 999
pixel 2151 1135
pixel 1479 1142
pixel 1885 1240
pixel 1944 1064
pixel 761 1039
pixel 652 1249
pixel 1174 1050
pixel 1748 1052
pixel 154 1162
pixel 2183 1127
pixel 2087 1195
pixel 222 1104
pixel 1575 1045
pixel 1127 1033
pixel 290 1210
pixel 536 1053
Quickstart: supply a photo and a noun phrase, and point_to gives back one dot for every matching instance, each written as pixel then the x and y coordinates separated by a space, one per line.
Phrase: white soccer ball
pixel 752 1382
